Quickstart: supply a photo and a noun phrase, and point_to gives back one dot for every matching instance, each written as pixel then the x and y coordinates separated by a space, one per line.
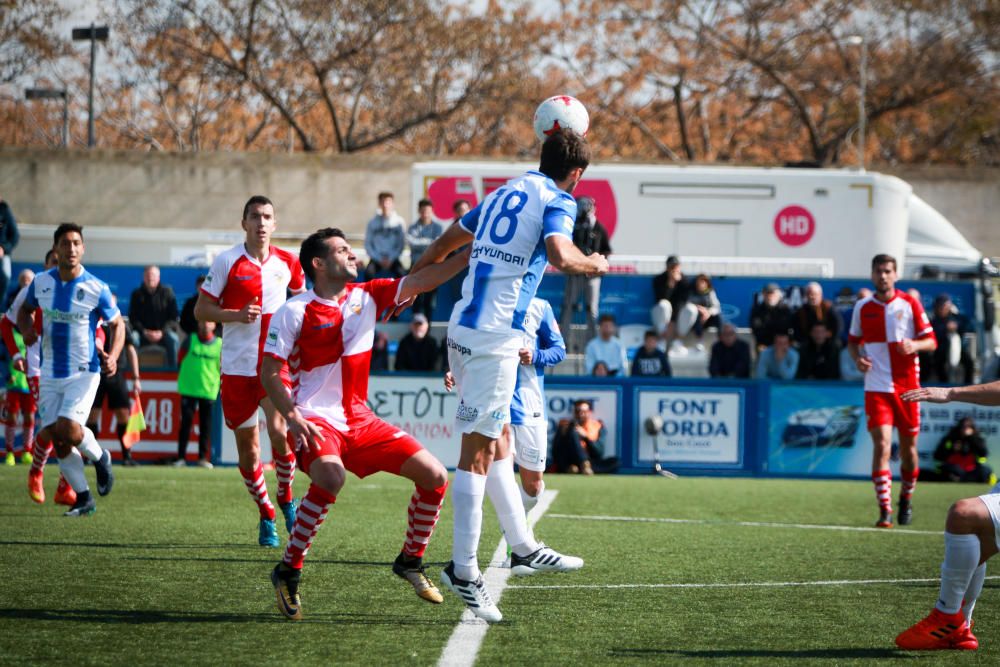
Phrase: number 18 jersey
pixel 508 251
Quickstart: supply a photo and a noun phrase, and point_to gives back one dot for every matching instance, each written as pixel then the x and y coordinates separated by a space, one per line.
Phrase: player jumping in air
pixel 72 301
pixel 244 287
pixel 325 336
pixel 971 537
pixel 893 328
pixel 514 232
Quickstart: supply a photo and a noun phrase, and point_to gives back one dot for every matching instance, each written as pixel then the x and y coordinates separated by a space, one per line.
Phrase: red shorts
pixel 374 447
pixel 885 409
pixel 18 402
pixel 242 394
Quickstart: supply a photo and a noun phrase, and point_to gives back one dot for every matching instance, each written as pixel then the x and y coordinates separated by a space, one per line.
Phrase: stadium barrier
pixel 709 427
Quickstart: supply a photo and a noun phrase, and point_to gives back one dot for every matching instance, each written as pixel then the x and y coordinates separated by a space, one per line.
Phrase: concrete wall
pixel 206 191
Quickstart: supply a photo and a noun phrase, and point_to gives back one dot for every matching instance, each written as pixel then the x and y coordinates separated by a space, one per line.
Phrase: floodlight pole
pixel 859 41
pixel 94 34
pixel 49 94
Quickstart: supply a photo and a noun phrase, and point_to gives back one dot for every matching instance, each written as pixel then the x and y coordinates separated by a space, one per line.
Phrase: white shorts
pixel 485 368
pixel 70 397
pixel 530 445
pixel 992 502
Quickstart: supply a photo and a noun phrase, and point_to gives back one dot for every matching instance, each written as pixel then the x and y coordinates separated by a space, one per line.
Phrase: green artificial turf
pixel 167 572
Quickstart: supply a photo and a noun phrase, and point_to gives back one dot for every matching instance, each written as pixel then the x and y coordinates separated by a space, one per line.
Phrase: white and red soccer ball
pixel 559 113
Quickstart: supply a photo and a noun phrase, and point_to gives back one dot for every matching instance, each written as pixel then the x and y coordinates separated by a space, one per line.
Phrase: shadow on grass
pixel 148 617
pixel 125 545
pixel 722 654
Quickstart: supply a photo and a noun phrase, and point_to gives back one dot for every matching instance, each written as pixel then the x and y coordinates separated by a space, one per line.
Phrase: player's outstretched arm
pixel 567 257
pixel 980 394
pixel 207 309
pixel 429 277
pixel 453 238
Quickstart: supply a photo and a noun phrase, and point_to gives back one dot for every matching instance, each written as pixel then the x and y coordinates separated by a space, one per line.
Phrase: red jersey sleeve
pixel 384 291
pixel 7 330
pixel 298 282
pixel 921 323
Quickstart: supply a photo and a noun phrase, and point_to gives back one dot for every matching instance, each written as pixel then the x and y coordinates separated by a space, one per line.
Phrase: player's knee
pixel 437 477
pixel 966 516
pixel 532 487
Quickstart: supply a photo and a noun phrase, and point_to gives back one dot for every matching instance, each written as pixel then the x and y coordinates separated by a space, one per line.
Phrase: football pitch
pixel 694 570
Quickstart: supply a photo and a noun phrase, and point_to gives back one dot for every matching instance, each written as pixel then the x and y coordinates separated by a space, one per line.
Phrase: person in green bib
pixel 19 400
pixel 198 384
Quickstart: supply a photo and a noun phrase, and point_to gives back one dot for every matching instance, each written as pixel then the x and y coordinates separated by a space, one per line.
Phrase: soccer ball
pixel 559 113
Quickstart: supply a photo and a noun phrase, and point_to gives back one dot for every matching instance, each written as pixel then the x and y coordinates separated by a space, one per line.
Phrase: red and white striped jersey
pixel 234 280
pixel 328 347
pixel 881 326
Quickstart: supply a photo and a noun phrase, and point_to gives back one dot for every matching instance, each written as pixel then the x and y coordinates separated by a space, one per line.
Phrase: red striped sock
pixel 422 516
pixel 883 488
pixel 29 436
pixel 258 491
pixel 312 512
pixel 284 466
pixel 9 433
pixel 909 484
pixel 40 454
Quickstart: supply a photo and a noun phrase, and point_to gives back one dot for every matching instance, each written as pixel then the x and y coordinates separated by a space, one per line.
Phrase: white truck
pixel 739 220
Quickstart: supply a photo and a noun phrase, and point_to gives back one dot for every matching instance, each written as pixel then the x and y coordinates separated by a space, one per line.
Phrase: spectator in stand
pixel 419 235
pixel 189 323
pixel 607 348
pixel 600 370
pixel 152 312
pixel 961 454
pixel 578 446
pixel 670 295
pixel 417 351
pixel 819 355
pixel 709 311
pixel 780 360
pixel 380 353
pixel 730 355
pixel 198 383
pixel 590 236
pixel 845 310
pixel 384 237
pixel 770 316
pixel 650 360
pixel 9 238
pixel 949 328
pixel 815 309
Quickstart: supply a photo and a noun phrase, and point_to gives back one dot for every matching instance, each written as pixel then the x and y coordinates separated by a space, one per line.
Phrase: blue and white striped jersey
pixel 70 315
pixel 528 406
pixel 508 253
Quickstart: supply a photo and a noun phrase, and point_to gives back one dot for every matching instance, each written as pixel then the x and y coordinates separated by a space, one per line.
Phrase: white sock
pixel 505 494
pixel 531 501
pixel 89 447
pixel 71 468
pixel 467 493
pixel 961 558
pixel 972 593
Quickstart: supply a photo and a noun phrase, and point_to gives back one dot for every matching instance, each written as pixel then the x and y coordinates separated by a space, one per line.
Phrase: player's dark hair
pixel 315 246
pixel 651 333
pixel 256 200
pixel 606 317
pixel 65 228
pixel 878 260
pixel 459 202
pixel 382 196
pixel 583 401
pixel 562 152
pixel 424 202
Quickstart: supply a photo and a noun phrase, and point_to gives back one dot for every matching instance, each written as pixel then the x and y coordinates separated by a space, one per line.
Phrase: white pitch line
pixel 748 584
pixel 467 637
pixel 752 524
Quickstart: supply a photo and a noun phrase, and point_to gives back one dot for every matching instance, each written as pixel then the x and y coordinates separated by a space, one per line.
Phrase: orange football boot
pixel 939 631
pixel 65 495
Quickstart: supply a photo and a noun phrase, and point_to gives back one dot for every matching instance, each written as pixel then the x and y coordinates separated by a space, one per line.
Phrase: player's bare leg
pixel 881 475
pixel 284 462
pixel 909 471
pixel 969 541
pixel 328 476
pixel 430 480
pixel 72 442
pixel 248 453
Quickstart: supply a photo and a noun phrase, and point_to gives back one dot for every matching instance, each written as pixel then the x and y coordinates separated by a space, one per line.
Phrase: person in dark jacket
pixel 152 312
pixel 417 350
pixel 730 355
pixel 590 236
pixel 769 316
pixel 189 324
pixel 819 356
pixel 650 360
pixel 670 295
pixel 962 453
pixel 9 238
pixel 816 309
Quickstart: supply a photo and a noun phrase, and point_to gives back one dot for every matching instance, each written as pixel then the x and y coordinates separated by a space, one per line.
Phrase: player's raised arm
pixel 431 277
pixel 979 394
pixel 453 238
